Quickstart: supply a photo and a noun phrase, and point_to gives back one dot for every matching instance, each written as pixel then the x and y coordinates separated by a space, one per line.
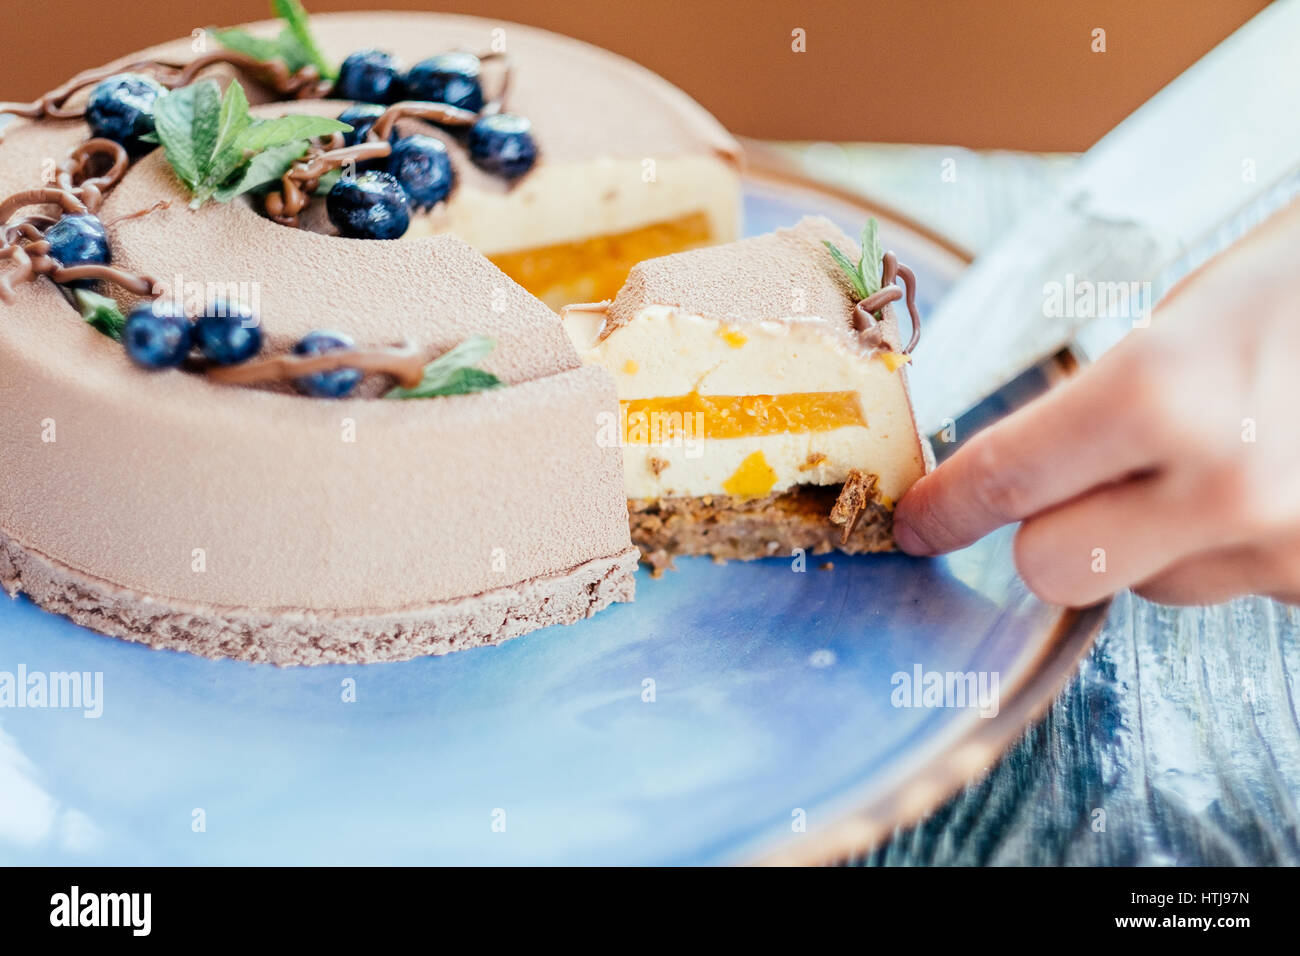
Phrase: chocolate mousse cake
pixel 230 436
pixel 763 395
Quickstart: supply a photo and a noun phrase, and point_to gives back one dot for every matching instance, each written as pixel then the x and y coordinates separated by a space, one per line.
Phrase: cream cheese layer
pixel 709 407
pixel 571 202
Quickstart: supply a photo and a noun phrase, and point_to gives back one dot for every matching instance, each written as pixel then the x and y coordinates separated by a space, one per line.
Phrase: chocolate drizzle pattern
pixel 305 83
pixel 97 165
pixel 80 184
pixel 864 313
pixel 404 363
pixel 298 184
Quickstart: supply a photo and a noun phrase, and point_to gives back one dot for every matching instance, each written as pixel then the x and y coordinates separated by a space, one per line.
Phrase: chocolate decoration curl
pixel 305 83
pixel 33 260
pixel 302 179
pixel 41 196
pixel 404 363
pixel 73 175
pixel 24 242
pixel 51 104
pixel 864 319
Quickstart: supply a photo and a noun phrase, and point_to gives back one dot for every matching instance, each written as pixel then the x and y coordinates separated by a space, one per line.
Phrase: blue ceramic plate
pixel 732 713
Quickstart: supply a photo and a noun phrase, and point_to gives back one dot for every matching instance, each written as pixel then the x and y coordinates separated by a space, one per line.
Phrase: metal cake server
pixel 1203 161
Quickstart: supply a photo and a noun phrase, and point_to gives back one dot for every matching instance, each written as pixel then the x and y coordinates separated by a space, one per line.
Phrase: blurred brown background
pixel 997 73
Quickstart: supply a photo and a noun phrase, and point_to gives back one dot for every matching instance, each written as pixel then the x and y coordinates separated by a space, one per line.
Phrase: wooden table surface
pixel 1178 742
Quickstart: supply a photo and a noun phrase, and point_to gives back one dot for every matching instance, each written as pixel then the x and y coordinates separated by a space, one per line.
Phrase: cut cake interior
pixel 754 417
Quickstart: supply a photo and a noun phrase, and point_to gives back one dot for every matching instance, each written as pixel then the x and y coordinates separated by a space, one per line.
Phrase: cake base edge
pixel 288 638
pixel 727 528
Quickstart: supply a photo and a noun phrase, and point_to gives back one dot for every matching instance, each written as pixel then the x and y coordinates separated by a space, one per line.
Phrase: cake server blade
pixel 1201 157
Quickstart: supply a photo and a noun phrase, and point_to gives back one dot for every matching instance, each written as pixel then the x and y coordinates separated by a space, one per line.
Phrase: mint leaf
pixel 263 134
pixel 227 154
pixel 173 117
pixel 241 41
pixel 850 270
pixel 869 265
pixel 264 168
pixel 294 45
pixel 296 24
pixel 219 151
pixel 452 373
pixel 101 313
pixel 284 47
pixel 462 381
pixel 206 124
pixel 294 54
pixel 865 274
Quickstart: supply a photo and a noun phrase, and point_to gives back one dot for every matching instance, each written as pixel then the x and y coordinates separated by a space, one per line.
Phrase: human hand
pixel 1171 466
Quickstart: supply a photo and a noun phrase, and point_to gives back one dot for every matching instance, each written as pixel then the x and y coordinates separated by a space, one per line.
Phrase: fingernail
pixel 907 539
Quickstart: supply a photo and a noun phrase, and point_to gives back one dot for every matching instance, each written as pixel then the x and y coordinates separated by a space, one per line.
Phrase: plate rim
pixel 874 815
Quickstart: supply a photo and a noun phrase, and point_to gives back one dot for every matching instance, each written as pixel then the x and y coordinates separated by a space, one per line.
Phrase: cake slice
pixel 758 412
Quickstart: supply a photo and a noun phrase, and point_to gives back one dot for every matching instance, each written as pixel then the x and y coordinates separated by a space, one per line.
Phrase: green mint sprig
pixel 219 151
pixel 452 373
pixel 294 45
pixel 101 313
pixel 864 275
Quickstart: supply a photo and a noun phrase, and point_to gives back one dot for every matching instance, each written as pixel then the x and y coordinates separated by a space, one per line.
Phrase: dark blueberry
pixel 335 384
pixel 157 335
pixel 369 206
pixel 423 167
pixel 361 117
pixel 370 76
pixel 228 333
pixel 450 78
pixel 503 144
pixel 121 109
pixel 78 239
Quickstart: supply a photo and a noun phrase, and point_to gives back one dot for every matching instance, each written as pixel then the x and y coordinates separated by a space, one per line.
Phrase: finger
pixel 1082 434
pixel 1113 538
pixel 1204 579
pixel 1225 574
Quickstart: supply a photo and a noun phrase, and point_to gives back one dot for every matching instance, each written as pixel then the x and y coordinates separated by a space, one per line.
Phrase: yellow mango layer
pixel 743 416
pixel 596 268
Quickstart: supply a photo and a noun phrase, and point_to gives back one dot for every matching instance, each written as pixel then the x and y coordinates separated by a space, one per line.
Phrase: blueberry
pixel 371 206
pixel 78 239
pixel 121 109
pixel 503 144
pixel 371 76
pixel 423 167
pixel 450 78
pixel 228 333
pixel 361 118
pixel 335 384
pixel 157 335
